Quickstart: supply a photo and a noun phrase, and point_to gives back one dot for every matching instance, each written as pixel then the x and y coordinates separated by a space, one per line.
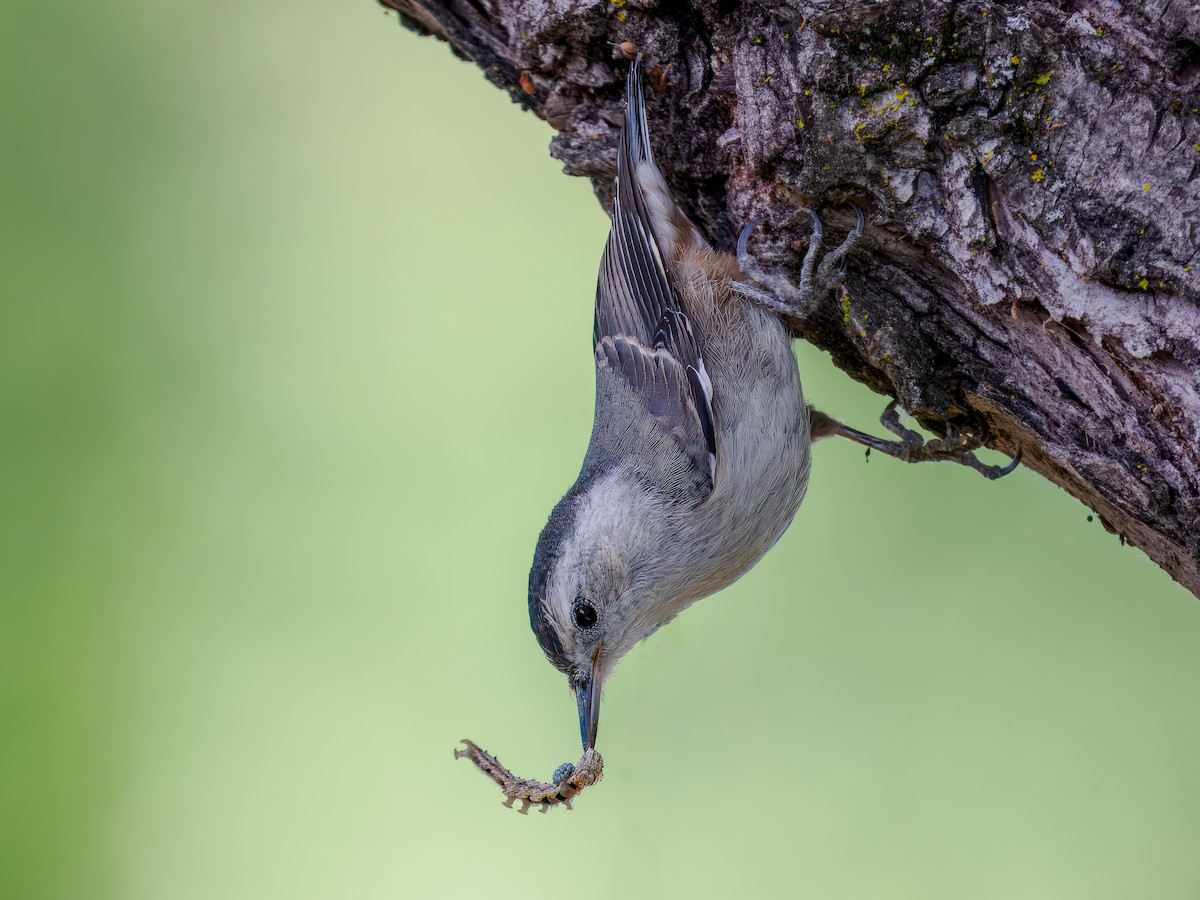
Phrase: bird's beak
pixel 587 695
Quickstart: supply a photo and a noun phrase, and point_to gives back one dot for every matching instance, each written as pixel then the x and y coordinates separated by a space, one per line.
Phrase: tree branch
pixel 1029 171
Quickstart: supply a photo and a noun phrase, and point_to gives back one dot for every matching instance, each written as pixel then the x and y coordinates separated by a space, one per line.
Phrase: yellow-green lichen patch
pixel 888 112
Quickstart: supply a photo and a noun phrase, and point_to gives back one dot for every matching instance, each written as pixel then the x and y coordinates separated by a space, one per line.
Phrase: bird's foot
pixel 817 274
pixel 954 447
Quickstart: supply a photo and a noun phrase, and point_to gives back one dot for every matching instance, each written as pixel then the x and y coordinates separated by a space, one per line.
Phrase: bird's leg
pixel 911 447
pixel 817 274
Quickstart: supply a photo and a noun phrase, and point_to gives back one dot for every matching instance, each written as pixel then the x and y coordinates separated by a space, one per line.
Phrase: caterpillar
pixel 569 780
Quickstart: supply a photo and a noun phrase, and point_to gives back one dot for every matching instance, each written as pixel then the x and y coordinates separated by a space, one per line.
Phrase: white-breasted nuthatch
pixel 700 451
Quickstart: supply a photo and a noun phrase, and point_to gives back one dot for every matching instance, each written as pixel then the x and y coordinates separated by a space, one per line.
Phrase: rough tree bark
pixel 1029 172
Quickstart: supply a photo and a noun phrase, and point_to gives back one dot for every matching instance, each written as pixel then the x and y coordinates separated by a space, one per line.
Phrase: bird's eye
pixel 583 613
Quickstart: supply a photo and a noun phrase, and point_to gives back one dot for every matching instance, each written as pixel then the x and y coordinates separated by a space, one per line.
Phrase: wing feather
pixel 642 326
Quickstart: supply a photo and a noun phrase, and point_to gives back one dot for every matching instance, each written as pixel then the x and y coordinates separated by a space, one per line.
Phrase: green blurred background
pixel 295 361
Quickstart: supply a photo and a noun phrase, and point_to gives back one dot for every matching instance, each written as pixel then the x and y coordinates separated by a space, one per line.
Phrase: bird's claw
pixel 954 447
pixel 912 448
pixel 817 274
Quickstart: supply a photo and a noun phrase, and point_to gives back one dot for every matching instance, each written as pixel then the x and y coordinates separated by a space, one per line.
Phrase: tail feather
pixel 672 230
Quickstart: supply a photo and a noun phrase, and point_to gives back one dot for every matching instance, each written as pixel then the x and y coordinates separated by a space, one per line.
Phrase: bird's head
pixel 594 590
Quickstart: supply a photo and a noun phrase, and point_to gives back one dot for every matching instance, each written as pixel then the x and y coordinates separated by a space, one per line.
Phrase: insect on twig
pixel 570 780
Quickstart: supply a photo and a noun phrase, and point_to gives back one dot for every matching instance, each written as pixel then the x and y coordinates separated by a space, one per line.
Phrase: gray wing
pixel 647 420
pixel 643 332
